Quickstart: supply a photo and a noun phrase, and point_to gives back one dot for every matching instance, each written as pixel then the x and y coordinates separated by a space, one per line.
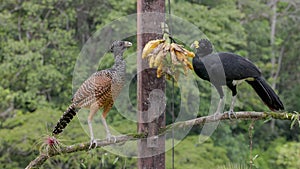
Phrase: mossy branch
pixel 38 161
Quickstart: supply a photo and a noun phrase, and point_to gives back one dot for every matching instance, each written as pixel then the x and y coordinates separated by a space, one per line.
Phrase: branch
pixel 131 137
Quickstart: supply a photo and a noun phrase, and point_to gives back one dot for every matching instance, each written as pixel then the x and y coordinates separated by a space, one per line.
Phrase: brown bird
pixel 98 91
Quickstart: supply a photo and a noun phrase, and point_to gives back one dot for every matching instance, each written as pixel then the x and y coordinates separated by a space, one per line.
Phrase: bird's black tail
pixel 65 119
pixel 266 93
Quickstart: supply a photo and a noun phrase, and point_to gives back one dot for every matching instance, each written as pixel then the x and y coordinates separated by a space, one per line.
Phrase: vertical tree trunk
pixel 150 89
pixel 273 21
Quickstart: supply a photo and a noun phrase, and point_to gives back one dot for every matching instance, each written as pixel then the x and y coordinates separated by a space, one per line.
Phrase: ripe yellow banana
pixel 159 70
pixel 189 65
pixel 151 61
pixel 189 53
pixel 181 49
pixel 173 57
pixel 180 56
pixel 156 52
pixel 160 57
pixel 150 46
pixel 177 47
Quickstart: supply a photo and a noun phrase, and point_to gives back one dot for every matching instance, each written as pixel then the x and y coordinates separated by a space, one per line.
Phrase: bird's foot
pixel 230 113
pixel 109 137
pixel 93 142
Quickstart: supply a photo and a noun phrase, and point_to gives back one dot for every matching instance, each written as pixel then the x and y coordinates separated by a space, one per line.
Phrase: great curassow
pixel 98 91
pixel 226 68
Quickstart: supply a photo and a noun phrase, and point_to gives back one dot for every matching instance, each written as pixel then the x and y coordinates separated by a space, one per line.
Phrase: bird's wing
pixel 237 67
pixel 96 86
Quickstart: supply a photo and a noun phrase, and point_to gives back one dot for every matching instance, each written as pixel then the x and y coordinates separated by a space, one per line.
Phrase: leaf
pixel 116 160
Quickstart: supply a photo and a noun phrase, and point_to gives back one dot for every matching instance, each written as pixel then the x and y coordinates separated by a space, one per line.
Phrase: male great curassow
pixel 98 91
pixel 225 68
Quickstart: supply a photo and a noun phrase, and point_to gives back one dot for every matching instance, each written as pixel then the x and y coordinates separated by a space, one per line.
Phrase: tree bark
pixel 150 88
pixel 273 21
pixel 272 40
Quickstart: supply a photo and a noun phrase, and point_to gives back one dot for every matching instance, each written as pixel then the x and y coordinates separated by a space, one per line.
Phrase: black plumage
pixel 226 68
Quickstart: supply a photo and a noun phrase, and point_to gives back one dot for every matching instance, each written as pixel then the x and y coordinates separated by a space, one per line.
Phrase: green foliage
pixel 221 26
pixel 19 146
pixel 233 166
pixel 279 153
pixel 40 41
pixel 189 153
pixel 287 155
pixel 234 138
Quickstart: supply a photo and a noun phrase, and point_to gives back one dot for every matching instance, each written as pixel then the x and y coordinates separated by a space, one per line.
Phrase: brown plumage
pixel 98 91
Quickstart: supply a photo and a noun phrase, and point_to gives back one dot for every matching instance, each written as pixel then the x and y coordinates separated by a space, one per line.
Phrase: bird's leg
pixel 108 134
pixel 230 112
pixel 232 87
pixel 93 110
pixel 221 101
pixel 93 141
pixel 219 107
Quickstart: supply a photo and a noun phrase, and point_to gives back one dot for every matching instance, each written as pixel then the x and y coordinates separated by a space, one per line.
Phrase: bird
pixel 225 68
pixel 98 91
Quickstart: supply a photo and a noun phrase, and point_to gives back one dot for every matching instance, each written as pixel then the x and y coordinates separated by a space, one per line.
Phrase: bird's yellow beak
pixel 195 45
pixel 127 44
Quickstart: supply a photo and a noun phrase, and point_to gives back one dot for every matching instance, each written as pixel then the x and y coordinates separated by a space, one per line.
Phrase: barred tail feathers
pixel 65 119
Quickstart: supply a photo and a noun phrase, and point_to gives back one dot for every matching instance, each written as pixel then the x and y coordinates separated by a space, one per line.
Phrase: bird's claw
pixel 231 112
pixel 109 137
pixel 93 141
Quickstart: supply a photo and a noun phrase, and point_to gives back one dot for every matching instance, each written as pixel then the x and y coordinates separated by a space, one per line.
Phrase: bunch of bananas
pixel 157 52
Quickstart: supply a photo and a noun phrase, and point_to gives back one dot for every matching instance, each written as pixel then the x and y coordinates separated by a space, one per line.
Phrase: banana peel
pixel 150 46
pixel 167 57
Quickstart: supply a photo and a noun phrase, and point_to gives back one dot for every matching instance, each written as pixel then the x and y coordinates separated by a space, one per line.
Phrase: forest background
pixel 40 41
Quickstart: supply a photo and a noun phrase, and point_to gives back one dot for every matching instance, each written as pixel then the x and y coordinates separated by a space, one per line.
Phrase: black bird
pixel 228 69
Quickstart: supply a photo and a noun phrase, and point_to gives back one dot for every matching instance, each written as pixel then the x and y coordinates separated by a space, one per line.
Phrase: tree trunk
pixel 273 21
pixel 151 90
